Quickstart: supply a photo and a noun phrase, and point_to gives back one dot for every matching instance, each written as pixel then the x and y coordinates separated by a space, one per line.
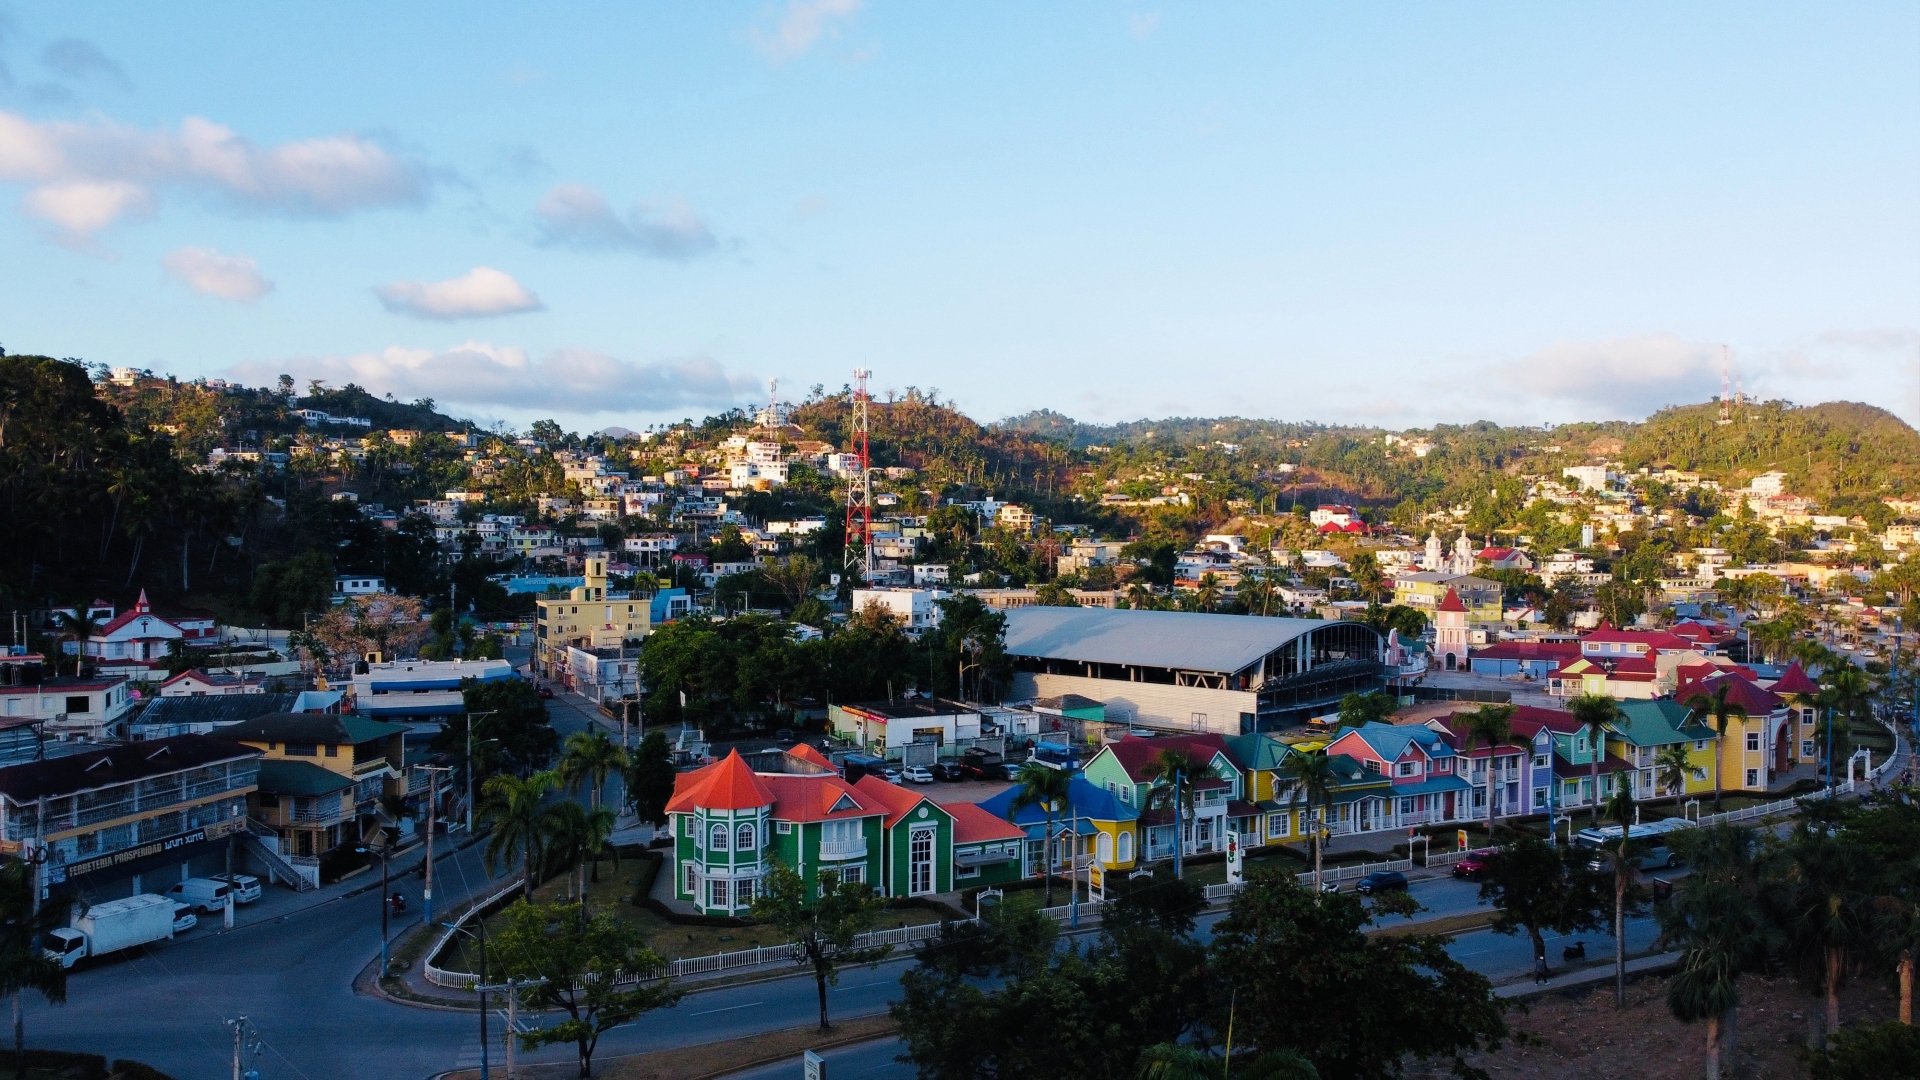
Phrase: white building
pixel 344 587
pixel 420 689
pixel 1589 477
pixel 913 607
pixel 930 574
pixel 1768 484
pixel 88 709
pixel 603 674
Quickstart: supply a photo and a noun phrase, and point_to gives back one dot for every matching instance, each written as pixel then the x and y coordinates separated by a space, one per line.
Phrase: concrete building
pixel 589 616
pixel 67 708
pixel 915 732
pixel 411 690
pixel 1191 672
pixel 914 608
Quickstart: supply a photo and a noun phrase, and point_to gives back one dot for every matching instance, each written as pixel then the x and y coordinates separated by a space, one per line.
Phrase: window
pixel 1753 740
pixel 1407 768
pixel 961 871
pixel 1699 744
pixel 1372 766
pixel 1406 806
pixel 1279 824
pixel 1806 748
pixel 1126 848
pixel 1753 777
pixel 1103 850
pixel 79 704
pixel 302 750
pixel 853 872
pixel 783 828
pixel 743 893
pixel 1699 776
pixel 743 839
pixel 717 892
pixel 717 838
pixel 1580 744
pixel 1539 796
pixel 333 749
pixel 693 880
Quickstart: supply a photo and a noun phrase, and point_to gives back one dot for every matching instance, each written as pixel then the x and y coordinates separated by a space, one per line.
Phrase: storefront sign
pixel 169 845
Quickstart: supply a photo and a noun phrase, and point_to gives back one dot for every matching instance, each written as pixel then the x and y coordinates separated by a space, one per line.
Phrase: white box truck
pixel 112 926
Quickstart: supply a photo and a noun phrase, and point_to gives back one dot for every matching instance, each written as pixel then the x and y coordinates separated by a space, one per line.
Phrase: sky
pixel 1393 214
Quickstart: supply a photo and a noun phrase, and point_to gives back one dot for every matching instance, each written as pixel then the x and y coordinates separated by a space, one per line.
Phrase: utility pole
pixel 245 1037
pixel 433 800
pixel 511 988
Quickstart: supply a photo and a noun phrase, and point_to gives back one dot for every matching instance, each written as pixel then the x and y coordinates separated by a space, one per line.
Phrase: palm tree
pixel 1826 885
pixel 1848 699
pixel 24 964
pixel 563 842
pixel 1722 930
pixel 1181 768
pixel 513 807
pixel 1315 782
pixel 1207 595
pixel 1140 596
pixel 1594 712
pixel 1719 714
pixel 590 759
pixel 1670 767
pixel 78 625
pixel 1620 811
pixel 1048 789
pixel 1490 726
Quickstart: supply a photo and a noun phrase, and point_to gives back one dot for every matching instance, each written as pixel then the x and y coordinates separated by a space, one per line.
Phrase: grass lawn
pixel 614 893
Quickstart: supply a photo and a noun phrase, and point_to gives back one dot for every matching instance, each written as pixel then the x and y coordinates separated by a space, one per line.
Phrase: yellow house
pixel 1755 748
pixel 588 617
pixel 1643 730
pixel 1423 591
pixel 322 777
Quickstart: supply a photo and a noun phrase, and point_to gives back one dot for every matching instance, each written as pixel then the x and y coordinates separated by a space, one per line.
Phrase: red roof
pixel 1496 554
pixel 1529 650
pixel 1740 692
pixel 1693 629
pixel 1452 601
pixel 1794 682
pixel 807 753
pixel 896 800
pixel 804 797
pixel 1652 639
pixel 1357 527
pixel 1532 717
pixel 1135 753
pixel 727 784
pixel 972 825
pixel 139 610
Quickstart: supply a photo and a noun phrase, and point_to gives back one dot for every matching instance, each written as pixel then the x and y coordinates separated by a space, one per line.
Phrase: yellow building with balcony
pixel 589 617
pixel 322 778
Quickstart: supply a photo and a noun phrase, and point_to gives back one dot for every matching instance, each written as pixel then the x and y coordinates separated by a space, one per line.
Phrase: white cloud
pixel 478 293
pixel 209 273
pixel 478 373
pixel 330 175
pixel 801 25
pixel 1622 378
pixel 575 215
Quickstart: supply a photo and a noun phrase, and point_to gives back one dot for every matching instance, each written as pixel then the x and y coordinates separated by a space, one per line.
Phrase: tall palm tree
pixel 1315 782
pixel 1722 930
pixel 1826 883
pixel 1207 595
pixel 1620 811
pixel 1719 713
pixel 1140 596
pixel 78 625
pixel 590 759
pixel 1049 789
pixel 1670 768
pixel 1181 768
pixel 1490 726
pixel 24 964
pixel 1848 700
pixel 1594 712
pixel 563 841
pixel 514 808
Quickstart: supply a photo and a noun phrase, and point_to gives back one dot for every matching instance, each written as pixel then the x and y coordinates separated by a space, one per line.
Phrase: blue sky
pixel 1395 214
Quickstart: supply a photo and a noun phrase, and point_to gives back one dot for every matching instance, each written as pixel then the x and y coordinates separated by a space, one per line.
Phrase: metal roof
pixel 1187 640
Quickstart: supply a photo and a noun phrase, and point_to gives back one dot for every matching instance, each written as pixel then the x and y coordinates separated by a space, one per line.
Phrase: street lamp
pixel 386 900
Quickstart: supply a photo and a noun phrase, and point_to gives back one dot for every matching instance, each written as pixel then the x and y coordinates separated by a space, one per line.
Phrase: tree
pixel 514 808
pixel 1594 712
pixel 1715 918
pixel 1306 977
pixel 78 626
pixel 822 930
pixel 1670 768
pixel 24 964
pixel 1719 713
pixel 1890 1051
pixel 1620 810
pixel 1535 886
pixel 510 731
pixel 590 759
pixel 1049 789
pixel 1314 780
pixel 286 591
pixel 650 777
pixel 1181 769
pixel 1054 594
pixel 1847 694
pixel 1823 886
pixel 583 961
pixel 1490 726
pixel 1358 710
pixel 382 623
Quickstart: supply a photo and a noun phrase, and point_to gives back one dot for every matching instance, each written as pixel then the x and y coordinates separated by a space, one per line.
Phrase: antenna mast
pixel 1726 386
pixel 860 490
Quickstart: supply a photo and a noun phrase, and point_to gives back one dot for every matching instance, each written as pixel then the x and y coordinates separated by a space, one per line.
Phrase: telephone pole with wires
pixel 245 1037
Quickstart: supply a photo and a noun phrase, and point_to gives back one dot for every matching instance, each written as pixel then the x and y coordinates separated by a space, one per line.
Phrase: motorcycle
pixel 1575 951
pixel 399 902
pixel 1329 886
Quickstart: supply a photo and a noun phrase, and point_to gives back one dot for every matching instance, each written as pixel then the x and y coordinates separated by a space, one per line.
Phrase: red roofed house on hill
pixel 135 642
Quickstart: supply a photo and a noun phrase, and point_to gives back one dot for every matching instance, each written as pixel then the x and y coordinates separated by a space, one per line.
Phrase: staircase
pixel 264 844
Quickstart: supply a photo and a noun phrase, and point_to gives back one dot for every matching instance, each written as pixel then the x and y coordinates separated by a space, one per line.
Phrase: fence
pixel 461 980
pixel 1356 871
pixel 1448 858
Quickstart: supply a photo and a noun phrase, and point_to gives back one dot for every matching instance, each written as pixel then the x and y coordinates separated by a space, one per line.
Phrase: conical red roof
pixel 725 785
pixel 1794 683
pixel 1452 602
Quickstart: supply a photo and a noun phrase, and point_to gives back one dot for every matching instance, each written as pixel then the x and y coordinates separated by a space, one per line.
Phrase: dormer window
pixel 1407 768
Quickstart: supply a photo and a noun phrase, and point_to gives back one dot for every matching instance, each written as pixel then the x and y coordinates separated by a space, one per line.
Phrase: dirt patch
pixel 711 1059
pixel 1582 1036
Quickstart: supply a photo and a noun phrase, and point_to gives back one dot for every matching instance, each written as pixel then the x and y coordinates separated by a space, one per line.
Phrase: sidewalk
pixel 1596 973
pixel 279 902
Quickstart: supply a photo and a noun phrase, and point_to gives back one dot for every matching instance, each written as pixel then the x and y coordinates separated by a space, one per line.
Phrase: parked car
pixel 183 918
pixel 891 776
pixel 919 774
pixel 545 692
pixel 1010 770
pixel 1657 857
pixel 204 894
pixel 246 887
pixel 784 737
pixel 1473 867
pixel 1381 881
pixel 948 772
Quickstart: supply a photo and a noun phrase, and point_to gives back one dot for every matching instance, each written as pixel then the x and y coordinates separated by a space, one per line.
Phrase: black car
pixel 948 772
pixel 1381 881
pixel 784 737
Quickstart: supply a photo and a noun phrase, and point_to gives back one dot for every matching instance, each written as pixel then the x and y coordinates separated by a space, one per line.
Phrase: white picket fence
pixel 460 980
pixel 1448 858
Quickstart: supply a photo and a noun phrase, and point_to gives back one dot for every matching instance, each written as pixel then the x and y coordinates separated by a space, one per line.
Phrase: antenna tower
pixel 1726 386
pixel 860 491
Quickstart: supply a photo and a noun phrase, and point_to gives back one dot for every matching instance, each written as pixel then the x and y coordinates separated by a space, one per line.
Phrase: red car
pixel 544 692
pixel 1472 867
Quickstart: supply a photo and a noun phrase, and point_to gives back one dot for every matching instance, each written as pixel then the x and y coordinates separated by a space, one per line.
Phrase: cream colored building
pixel 589 617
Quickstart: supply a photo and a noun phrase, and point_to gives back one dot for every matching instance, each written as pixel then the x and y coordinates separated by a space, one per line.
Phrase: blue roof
pixel 1086 800
pixel 1390 740
pixel 1432 785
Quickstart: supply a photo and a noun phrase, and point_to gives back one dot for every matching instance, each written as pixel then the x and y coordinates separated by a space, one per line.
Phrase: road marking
pixel 730 1008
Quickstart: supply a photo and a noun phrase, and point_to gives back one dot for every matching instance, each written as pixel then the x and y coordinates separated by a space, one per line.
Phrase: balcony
pixel 317 815
pixel 843 849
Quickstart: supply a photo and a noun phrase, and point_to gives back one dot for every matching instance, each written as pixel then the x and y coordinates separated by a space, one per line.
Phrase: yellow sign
pixel 1463 839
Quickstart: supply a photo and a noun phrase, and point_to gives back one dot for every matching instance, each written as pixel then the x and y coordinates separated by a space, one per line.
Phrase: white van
pixel 208 895
pixel 246 887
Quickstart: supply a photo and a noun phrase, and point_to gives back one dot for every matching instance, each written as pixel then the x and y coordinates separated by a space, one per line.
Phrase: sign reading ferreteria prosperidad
pixel 167 845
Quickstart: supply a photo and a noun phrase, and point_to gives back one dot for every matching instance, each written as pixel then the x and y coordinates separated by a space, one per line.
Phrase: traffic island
pixel 711 1060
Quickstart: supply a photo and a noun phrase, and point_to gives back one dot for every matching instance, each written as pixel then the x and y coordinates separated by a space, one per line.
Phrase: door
pixel 920 862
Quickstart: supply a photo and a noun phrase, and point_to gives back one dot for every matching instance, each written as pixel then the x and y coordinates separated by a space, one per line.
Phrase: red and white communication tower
pixel 860 490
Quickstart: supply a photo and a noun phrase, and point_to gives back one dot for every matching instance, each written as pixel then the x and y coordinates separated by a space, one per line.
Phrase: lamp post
pixel 386 901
